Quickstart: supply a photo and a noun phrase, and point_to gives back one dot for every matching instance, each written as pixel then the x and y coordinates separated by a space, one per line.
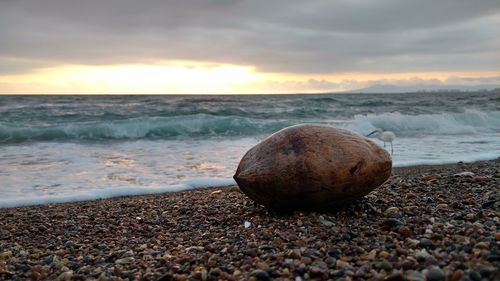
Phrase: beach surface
pixel 425 222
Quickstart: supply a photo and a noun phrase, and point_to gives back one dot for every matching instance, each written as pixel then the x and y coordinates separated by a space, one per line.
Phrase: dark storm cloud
pixel 284 36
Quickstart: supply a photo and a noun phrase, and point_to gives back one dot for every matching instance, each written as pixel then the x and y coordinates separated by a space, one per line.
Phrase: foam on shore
pixel 181 186
pixel 114 192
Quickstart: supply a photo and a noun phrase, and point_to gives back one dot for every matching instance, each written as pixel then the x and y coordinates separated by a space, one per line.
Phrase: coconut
pixel 312 167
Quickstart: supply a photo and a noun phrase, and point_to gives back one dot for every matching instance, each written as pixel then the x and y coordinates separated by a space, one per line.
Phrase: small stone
pixel 412 243
pixel 396 276
pixel 408 264
pixel 260 274
pixel 431 177
pixel 457 275
pixel 337 273
pixel 294 254
pixel 65 276
pixel 422 255
pixel 487 272
pixel 204 274
pixel 306 260
pixel 315 272
pixel 247 224
pixel 325 222
pixel 341 264
pixel 480 178
pixel 464 174
pixel 385 265
pixel 181 277
pixel 5 255
pixel 124 260
pixel 286 272
pixel 405 231
pixel 492 258
pixel 372 255
pixel 435 274
pixel 362 271
pixel 414 276
pixel 411 195
pixel 214 273
pixel 70 244
pixel 392 222
pixel 383 254
pixel 391 211
pixel 475 276
pixel 262 265
pixel 482 245
pixel 425 243
pixel 442 206
pixel 335 253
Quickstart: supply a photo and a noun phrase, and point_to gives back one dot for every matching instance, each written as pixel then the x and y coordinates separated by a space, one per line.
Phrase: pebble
pixel 425 243
pixel 182 236
pixel 385 265
pixel 482 245
pixel 124 260
pixel 341 264
pixel 70 244
pixel 487 272
pixel 371 255
pixel 493 258
pixel 405 231
pixel 5 255
pixel 315 272
pixel 392 222
pixel 391 211
pixel 414 276
pixel 383 254
pixel 464 174
pixel 435 274
pixel 335 253
pixel 396 276
pixel 65 276
pixel 260 274
pixel 475 276
pixel 422 254
pixel 457 275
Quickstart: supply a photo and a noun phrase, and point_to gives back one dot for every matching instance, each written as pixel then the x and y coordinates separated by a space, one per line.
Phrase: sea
pixel 71 148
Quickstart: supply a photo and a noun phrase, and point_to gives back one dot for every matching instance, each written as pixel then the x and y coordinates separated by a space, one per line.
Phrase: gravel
pixel 433 222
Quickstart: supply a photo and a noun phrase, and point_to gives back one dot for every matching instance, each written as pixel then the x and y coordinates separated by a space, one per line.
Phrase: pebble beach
pixel 425 223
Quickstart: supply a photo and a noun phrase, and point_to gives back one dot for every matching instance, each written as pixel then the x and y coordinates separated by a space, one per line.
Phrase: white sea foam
pixel 451 160
pixel 468 122
pixel 113 192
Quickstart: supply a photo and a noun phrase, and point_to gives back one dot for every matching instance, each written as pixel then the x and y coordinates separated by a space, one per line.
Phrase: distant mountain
pixel 385 88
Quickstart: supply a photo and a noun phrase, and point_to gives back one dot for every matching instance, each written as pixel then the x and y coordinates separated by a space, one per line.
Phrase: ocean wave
pixel 209 126
pixel 188 126
pixel 467 122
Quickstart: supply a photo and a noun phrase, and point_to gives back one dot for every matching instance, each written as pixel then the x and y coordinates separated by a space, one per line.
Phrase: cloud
pixel 289 36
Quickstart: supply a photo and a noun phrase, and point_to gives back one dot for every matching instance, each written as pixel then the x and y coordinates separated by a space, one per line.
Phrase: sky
pixel 244 46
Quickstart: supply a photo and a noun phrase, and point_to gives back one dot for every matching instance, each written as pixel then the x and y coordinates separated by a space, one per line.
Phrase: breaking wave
pixel 468 122
pixel 200 125
pixel 208 126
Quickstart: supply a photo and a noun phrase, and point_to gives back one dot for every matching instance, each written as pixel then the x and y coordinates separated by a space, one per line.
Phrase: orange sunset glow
pixel 199 78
